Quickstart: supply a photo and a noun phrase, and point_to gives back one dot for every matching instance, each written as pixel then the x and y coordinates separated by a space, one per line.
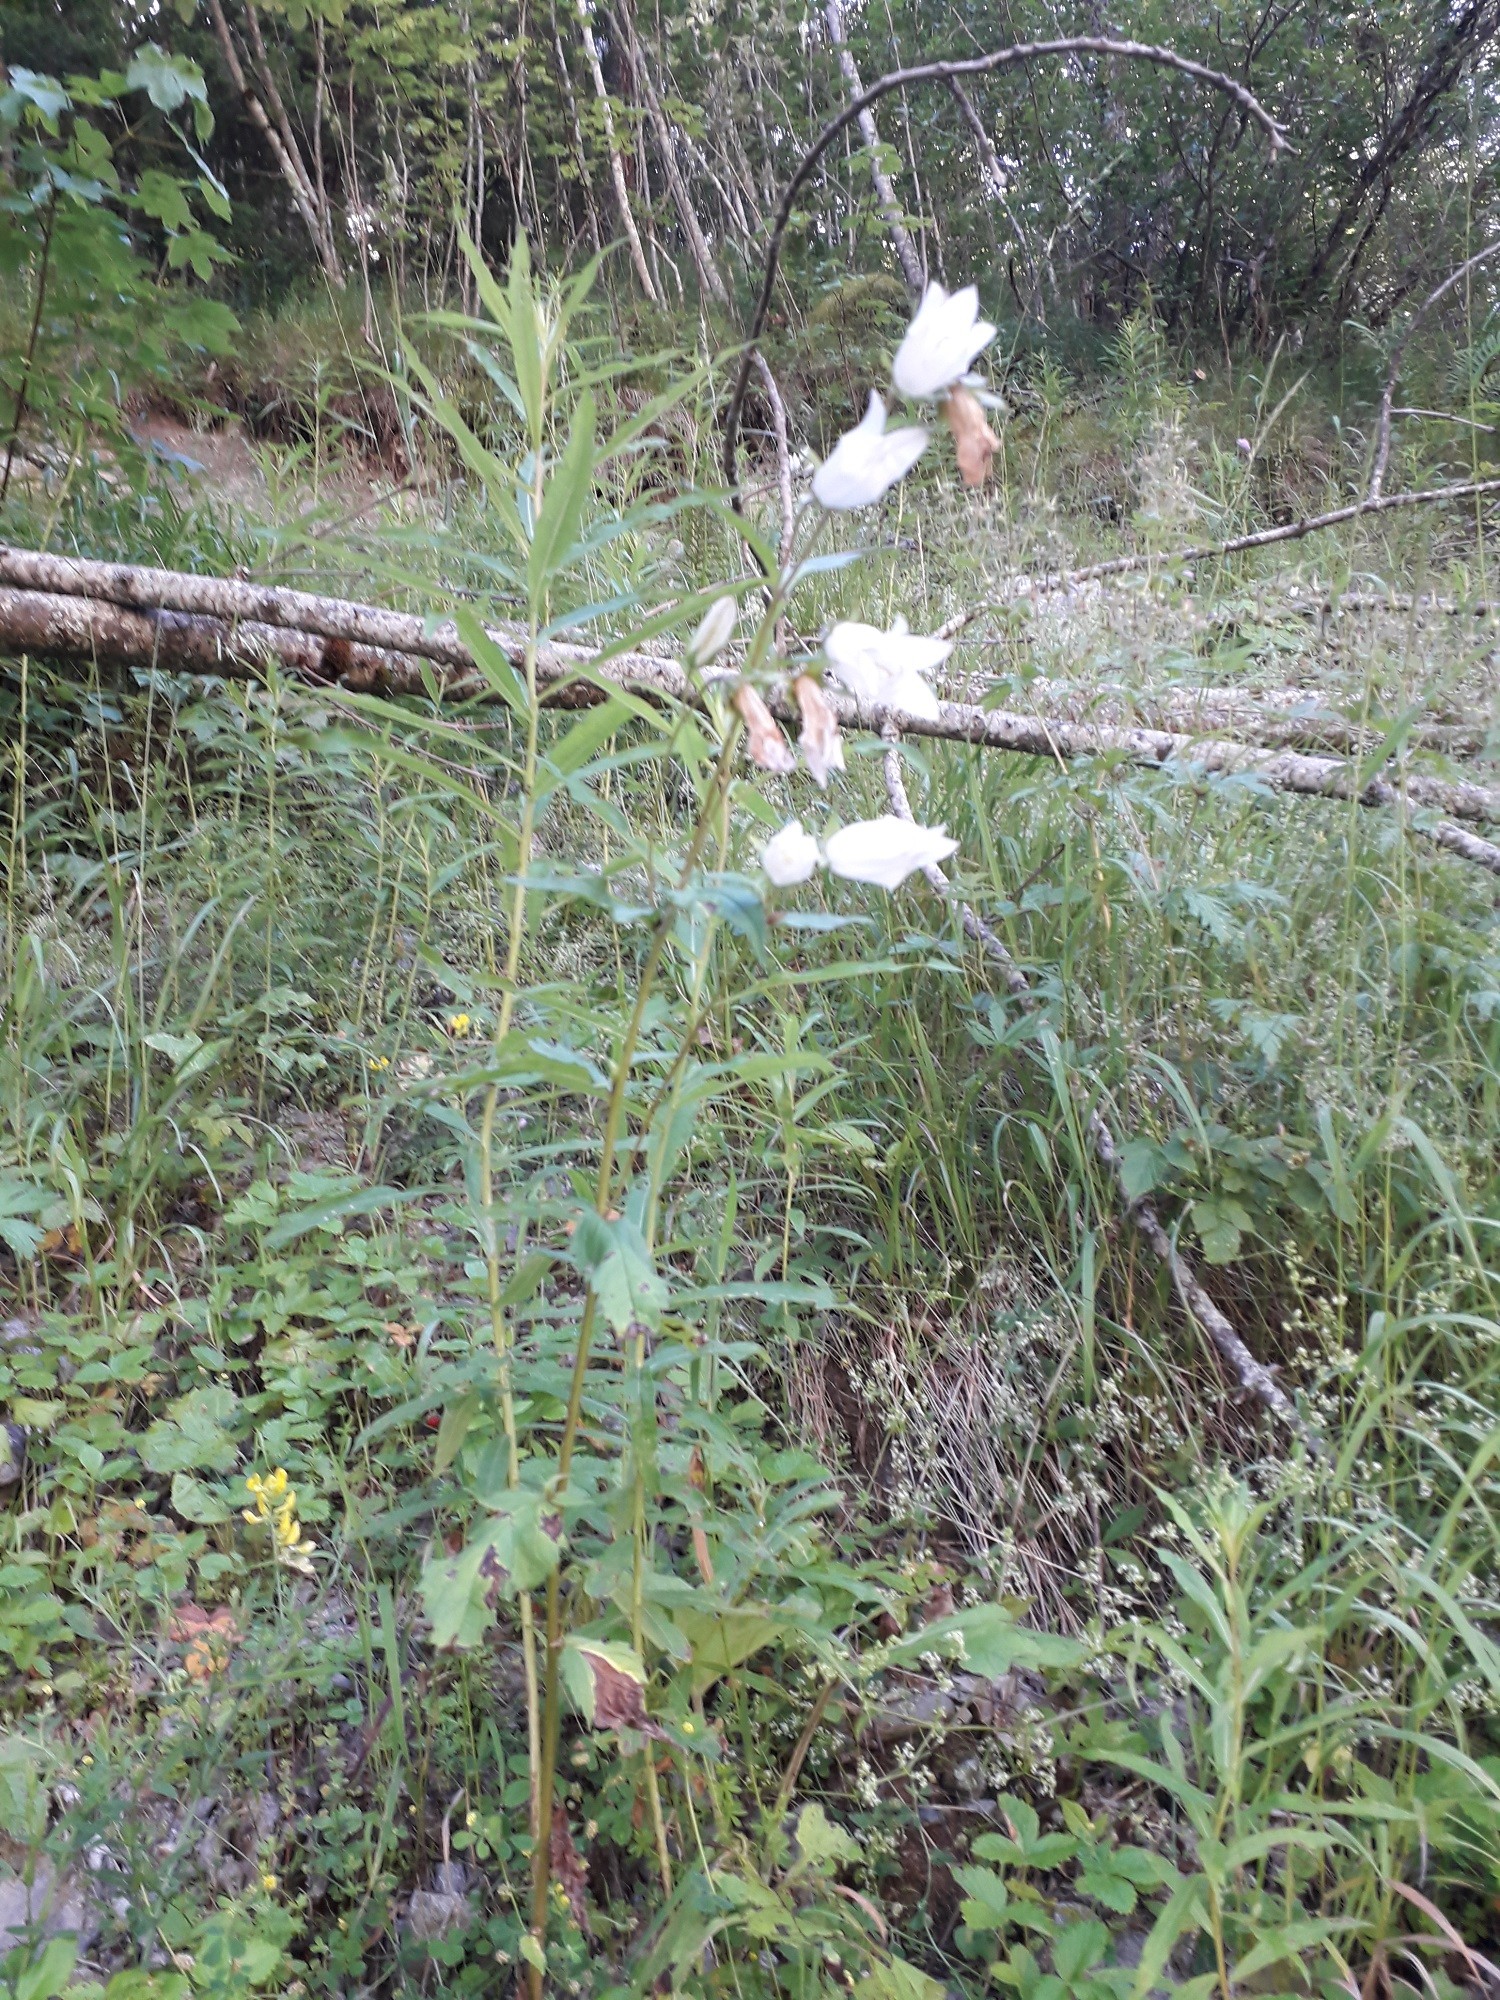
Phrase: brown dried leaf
pixel 763 738
pixel 495 1576
pixel 820 742
pixel 567 1866
pixel 619 1689
pixel 700 1551
pixel 975 442
pixel 208 1637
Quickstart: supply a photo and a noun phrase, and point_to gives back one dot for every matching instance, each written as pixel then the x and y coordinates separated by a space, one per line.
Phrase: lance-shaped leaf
pixel 565 496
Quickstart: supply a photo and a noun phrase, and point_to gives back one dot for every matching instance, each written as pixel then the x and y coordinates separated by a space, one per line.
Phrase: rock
pixel 51 1904
pixel 12 1453
pixel 433 1912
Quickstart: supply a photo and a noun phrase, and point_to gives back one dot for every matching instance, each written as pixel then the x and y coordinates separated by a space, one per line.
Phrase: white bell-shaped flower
pixel 884 851
pixel 886 669
pixel 790 856
pixel 941 342
pixel 715 631
pixel 867 461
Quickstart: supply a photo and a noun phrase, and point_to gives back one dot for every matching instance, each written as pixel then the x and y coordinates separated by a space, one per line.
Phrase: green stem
pixel 500 1329
pixel 614 1119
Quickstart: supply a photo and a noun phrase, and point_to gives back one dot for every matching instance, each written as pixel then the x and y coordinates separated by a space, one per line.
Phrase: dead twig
pixel 783 457
pixel 1264 538
pixel 1252 1375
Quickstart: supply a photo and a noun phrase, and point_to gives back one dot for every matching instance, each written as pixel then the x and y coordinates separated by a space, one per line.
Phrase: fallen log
pixel 386 650
pixel 1278 718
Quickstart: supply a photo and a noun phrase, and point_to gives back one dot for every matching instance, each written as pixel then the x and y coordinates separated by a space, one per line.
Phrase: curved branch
pixel 943 72
pixel 1263 538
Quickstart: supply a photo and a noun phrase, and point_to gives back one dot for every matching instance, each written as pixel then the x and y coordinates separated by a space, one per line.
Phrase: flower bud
pixel 820 743
pixel 714 632
pixel 976 443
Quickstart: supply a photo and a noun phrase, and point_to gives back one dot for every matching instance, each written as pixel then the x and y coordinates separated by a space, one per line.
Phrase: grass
pixel 251 943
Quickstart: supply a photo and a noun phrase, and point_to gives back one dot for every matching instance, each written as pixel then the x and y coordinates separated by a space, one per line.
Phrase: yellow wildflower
pixel 378 1062
pixel 268 1881
pixel 276 1508
pixel 459 1024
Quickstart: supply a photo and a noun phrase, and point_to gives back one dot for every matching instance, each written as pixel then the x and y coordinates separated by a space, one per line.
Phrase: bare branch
pixel 1449 417
pixel 1264 538
pixel 942 72
pixel 1287 718
pixel 783 456
pixel 1252 1375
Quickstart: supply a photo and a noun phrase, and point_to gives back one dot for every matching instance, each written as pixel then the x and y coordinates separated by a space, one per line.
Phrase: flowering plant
pixel 557 1509
pixel 275 1508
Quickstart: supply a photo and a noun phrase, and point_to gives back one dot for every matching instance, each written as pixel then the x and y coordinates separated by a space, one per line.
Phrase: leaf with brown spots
pixel 608 1683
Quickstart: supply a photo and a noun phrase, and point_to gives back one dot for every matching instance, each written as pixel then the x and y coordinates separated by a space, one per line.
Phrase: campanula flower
pixel 790 856
pixel 867 461
pixel 884 851
pixel 941 342
pixel 886 669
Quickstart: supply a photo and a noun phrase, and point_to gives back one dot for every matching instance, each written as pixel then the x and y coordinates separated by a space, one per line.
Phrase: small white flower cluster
pixel 940 347
pixel 881 669
pixel 882 852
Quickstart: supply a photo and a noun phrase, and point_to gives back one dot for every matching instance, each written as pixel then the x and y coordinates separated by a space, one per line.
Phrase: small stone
pixel 51 1904
pixel 432 1913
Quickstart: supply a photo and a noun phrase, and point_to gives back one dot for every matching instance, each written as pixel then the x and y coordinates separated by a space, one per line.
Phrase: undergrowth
pixel 925 1605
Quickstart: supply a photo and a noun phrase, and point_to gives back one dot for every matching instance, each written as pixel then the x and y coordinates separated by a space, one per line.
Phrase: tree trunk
pixel 616 163
pixel 698 246
pixel 885 193
pixel 280 141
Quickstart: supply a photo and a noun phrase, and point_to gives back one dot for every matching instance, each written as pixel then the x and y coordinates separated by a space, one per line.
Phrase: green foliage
pixel 436 1105
pixel 75 236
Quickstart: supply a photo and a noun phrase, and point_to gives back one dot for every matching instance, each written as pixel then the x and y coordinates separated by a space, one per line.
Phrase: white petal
pixel 941 342
pixel 911 695
pixel 853 659
pixel 884 669
pixel 790 856
pixel 912 652
pixel 867 461
pixel 884 851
